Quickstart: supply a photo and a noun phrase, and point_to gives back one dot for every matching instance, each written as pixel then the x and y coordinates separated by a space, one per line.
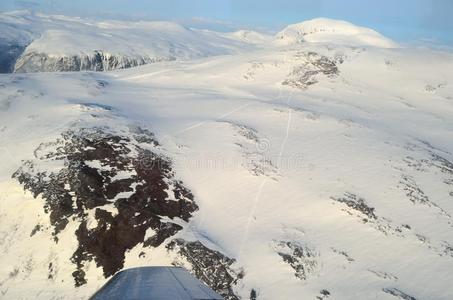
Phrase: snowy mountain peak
pixel 323 30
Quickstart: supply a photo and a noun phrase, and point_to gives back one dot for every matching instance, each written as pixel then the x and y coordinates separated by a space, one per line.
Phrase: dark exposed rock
pixel 358 207
pixel 447 248
pixel 358 204
pixel 52 271
pixel 398 293
pixel 306 74
pixel 419 165
pixel 210 266
pixel 253 295
pixel 37 228
pixel 442 163
pixel 113 186
pixel 416 195
pixel 344 254
pixel 413 192
pixel 384 275
pixel 301 258
pixel 247 132
pixel 79 277
pixel 435 160
pixel 142 135
pixel 324 294
pixel 254 151
pixel 167 230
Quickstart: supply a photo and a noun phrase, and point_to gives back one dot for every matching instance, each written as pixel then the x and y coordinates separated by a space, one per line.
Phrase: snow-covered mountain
pixel 38 42
pixel 60 43
pixel 308 170
pixel 324 30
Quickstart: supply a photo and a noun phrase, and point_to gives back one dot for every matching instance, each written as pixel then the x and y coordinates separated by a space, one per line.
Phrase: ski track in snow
pixel 263 183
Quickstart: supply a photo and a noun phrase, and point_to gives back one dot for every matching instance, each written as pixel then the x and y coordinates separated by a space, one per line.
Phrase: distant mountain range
pixel 45 43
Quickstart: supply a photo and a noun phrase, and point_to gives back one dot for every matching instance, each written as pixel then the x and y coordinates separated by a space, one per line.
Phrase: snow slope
pixel 322 30
pixel 316 171
pixel 60 43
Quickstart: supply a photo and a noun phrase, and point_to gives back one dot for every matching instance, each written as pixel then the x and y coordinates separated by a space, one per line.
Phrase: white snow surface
pixel 63 36
pixel 323 30
pixel 264 161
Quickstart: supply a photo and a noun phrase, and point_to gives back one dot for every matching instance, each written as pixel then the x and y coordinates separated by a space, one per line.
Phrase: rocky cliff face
pixel 96 61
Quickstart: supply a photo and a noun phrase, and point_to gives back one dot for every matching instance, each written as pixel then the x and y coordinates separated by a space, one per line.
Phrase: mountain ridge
pixel 49 43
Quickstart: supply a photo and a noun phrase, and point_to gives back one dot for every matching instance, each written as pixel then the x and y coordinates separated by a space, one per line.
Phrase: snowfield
pixel 328 30
pixel 61 43
pixel 316 168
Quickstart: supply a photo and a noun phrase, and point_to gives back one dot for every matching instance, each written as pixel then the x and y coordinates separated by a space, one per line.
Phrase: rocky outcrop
pixel 312 67
pixel 398 294
pixel 358 204
pixel 208 265
pixel 96 61
pixel 301 258
pixel 113 188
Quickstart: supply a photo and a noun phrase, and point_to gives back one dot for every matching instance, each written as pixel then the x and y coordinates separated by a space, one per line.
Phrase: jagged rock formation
pixel 398 294
pixel 305 74
pixel 210 266
pixel 324 294
pixel 97 61
pixel 301 258
pixel 358 204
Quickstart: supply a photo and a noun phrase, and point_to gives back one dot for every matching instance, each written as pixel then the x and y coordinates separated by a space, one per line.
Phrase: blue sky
pixel 403 20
